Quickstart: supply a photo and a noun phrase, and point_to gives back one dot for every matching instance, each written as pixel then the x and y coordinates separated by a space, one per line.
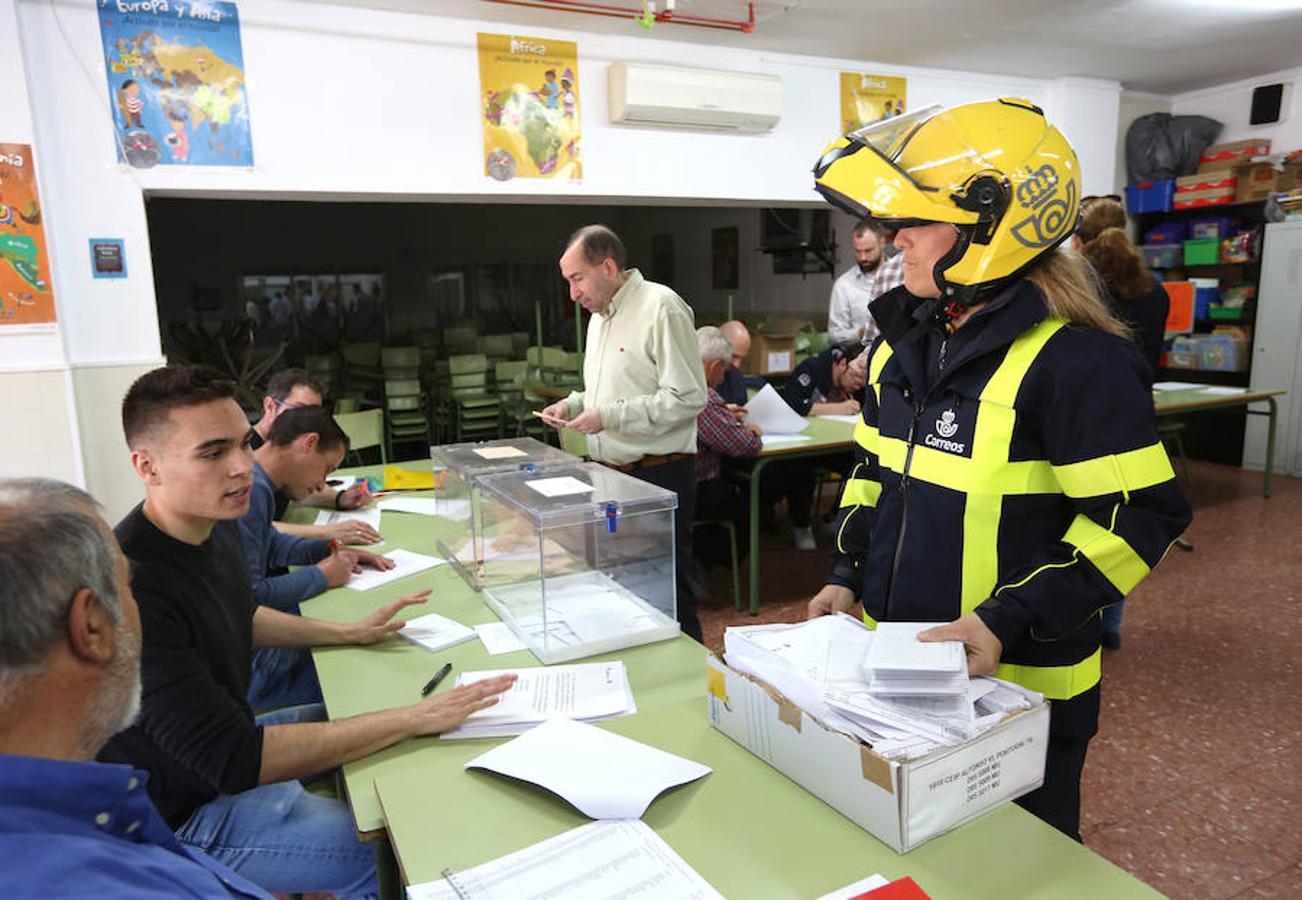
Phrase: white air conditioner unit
pixel 680 97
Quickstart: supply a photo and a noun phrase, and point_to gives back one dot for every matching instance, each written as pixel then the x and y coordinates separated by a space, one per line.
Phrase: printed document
pixel 559 487
pixel 420 506
pixel 498 638
pixel 602 774
pixel 370 515
pixel 499 452
pixel 587 691
pixel 597 861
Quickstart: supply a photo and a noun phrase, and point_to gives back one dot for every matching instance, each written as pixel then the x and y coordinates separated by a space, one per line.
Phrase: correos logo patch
pixel 946 428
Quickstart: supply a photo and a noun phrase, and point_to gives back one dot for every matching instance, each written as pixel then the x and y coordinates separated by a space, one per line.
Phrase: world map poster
pixel 176 83
pixel 25 294
pixel 530 107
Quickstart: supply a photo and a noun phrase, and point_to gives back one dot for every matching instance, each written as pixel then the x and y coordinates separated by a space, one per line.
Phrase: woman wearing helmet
pixel 1009 479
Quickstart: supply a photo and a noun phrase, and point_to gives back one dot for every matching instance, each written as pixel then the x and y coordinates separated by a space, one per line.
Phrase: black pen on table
pixel 434 682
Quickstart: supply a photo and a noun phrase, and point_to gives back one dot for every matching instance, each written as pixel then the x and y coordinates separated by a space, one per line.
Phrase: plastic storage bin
pixel 1218 227
pixel 579 559
pixel 1150 196
pixel 1206 292
pixel 1223 353
pixel 458 497
pixel 1162 256
pixel 1169 232
pixel 1202 252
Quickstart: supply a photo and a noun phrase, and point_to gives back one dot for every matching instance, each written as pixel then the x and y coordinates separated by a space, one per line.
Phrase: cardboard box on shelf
pixel 1206 181
pixel 902 804
pixel 1225 156
pixel 773 347
pixel 1259 181
pixel 1199 199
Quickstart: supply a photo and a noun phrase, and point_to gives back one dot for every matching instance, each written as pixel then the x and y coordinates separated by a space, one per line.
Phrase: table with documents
pixel 744 828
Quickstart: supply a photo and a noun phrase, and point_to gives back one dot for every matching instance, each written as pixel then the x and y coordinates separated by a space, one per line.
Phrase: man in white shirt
pixel 873 274
pixel 643 382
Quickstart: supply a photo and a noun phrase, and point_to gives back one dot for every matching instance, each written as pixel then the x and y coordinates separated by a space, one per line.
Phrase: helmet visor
pixel 889 136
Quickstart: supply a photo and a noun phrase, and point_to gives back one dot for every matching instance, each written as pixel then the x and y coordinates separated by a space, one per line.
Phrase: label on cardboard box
pixel 779 361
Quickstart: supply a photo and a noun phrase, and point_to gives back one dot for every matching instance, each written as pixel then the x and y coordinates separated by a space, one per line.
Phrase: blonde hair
pixel 1072 291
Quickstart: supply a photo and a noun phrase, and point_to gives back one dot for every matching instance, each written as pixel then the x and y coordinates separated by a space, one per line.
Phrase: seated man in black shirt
pixel 823 385
pixel 227 783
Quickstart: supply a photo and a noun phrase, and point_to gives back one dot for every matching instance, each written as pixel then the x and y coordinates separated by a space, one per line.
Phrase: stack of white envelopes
pixel 823 667
pixel 900 665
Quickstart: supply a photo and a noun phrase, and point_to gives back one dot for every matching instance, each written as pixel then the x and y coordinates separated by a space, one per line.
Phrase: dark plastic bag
pixel 1160 145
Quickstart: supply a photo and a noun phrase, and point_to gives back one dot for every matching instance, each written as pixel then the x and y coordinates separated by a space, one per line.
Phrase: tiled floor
pixel 1194 783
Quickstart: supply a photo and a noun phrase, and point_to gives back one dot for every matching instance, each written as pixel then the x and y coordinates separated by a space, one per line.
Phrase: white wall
pixel 357 103
pixel 1231 103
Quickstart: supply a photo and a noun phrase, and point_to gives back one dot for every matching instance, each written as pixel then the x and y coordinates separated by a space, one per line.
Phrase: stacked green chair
pixel 405 417
pixel 364 429
pixel 478 411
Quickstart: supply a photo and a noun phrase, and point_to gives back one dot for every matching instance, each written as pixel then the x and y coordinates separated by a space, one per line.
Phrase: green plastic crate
pixel 1225 313
pixel 1202 252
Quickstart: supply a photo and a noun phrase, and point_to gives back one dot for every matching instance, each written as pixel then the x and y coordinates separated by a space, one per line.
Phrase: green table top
pixel 746 828
pixel 1191 399
pixel 823 434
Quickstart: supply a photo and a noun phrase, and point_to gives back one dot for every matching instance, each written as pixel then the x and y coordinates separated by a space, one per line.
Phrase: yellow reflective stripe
pixel 870 621
pixel 1118 473
pixel 958 473
pixel 1056 682
pixel 1003 385
pixel 866 436
pixel 1109 552
pixel 988 476
pixel 861 492
pixel 878 362
pixel 1015 585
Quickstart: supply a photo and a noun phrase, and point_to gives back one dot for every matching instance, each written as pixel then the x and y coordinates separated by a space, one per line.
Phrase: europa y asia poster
pixel 870 98
pixel 176 82
pixel 530 107
pixel 25 294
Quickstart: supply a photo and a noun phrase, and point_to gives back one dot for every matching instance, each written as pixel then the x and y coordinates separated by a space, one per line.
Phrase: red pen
pixel 334 546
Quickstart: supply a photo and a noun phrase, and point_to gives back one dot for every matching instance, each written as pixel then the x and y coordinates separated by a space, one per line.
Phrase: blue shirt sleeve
pixel 266 548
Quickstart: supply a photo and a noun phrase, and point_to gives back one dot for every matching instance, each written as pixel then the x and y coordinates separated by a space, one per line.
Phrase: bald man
pixel 733 387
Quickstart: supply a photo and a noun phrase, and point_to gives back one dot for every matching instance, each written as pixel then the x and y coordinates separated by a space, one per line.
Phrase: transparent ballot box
pixel 457 497
pixel 579 559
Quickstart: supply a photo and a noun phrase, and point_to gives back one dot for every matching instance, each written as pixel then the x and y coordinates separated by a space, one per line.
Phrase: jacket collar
pixel 1019 308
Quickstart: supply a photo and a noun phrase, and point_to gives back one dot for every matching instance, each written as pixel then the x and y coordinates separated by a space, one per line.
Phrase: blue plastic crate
pixel 1150 196
pixel 1169 232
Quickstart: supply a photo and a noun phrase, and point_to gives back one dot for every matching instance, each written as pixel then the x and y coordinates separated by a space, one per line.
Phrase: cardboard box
pixel 1259 181
pixel 902 804
pixel 1206 181
pixel 773 347
pixel 1199 199
pixel 1225 156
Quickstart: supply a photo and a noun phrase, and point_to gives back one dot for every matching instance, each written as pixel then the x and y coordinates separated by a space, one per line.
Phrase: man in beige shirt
pixel 643 383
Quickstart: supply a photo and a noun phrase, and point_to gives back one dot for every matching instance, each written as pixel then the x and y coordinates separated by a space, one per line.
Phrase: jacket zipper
pixel 904 508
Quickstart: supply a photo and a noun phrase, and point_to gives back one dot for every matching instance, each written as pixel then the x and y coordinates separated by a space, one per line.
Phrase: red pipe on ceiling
pixel 623 12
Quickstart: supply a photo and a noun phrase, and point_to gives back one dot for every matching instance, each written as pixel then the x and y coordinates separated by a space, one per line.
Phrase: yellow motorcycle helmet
pixel 996 170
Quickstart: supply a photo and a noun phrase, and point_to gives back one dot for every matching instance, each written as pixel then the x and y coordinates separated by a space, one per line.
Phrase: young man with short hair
pixel 228 783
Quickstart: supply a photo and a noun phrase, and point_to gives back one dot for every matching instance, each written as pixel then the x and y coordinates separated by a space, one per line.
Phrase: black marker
pixel 434 682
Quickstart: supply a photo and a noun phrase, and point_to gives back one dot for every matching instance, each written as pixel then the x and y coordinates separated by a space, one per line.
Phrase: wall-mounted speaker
pixel 1266 103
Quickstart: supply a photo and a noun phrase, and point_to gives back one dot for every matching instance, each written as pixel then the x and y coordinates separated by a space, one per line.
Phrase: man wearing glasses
pixel 294 389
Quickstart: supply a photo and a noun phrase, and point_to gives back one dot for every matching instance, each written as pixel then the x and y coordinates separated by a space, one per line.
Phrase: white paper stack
pixel 821 666
pixel 435 632
pixel 588 692
pixel 900 665
pixel 596 861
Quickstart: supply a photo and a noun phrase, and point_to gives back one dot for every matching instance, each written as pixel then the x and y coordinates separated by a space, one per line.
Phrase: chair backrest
pixel 467 364
pixel 538 356
pixel 364 429
pixel 366 353
pixel 400 357
pixel 403 387
pixel 498 345
pixel 575 442
pixel 459 339
pixel 345 405
pixel 510 374
pixel 321 363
